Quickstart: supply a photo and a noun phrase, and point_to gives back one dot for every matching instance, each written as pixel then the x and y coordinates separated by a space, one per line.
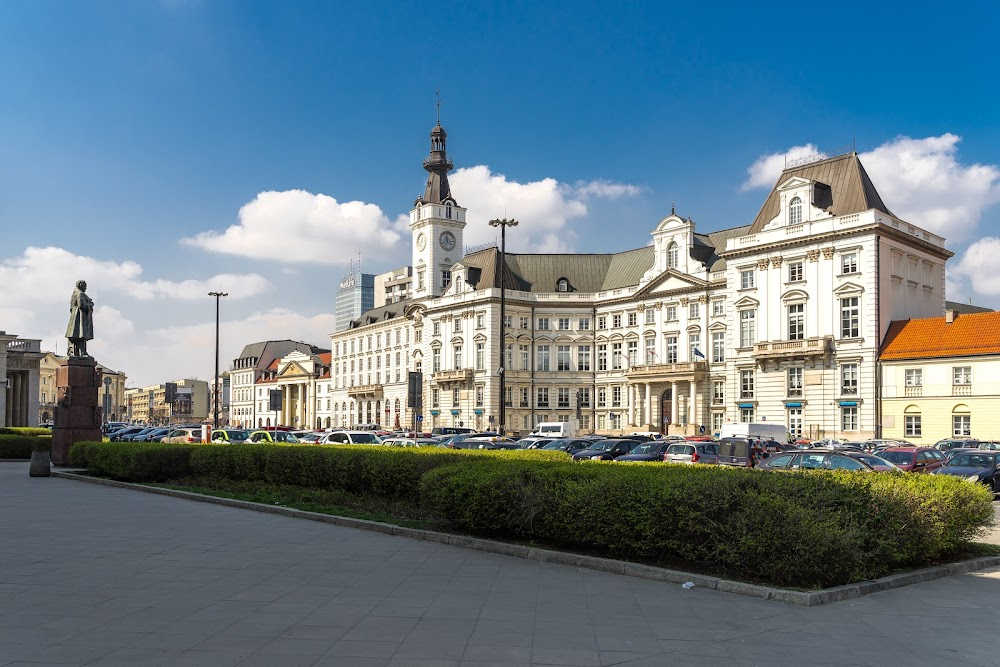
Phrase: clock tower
pixel 436 223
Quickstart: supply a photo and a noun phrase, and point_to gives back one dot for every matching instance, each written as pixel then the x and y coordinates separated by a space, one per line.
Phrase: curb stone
pixel 803 598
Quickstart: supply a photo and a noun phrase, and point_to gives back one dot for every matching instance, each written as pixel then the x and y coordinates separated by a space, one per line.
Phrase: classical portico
pixel 679 388
pixel 20 360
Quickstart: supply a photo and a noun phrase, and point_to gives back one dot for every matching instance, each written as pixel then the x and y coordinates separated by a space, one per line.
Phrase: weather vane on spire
pixel 437 92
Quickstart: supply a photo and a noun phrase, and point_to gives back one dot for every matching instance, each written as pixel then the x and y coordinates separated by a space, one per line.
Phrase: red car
pixel 914 459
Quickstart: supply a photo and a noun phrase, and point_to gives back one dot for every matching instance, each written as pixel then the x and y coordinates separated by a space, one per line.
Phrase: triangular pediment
pixel 793 183
pixel 292 369
pixel 848 288
pixel 671 282
pixel 747 302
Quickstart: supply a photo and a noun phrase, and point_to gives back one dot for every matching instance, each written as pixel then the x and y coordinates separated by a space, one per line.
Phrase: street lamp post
pixel 215 392
pixel 503 224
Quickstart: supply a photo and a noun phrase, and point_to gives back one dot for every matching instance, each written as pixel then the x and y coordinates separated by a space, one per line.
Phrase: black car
pixel 978 466
pixel 605 450
pixel 569 445
pixel 647 451
pixel 120 434
pixel 137 437
pixel 813 459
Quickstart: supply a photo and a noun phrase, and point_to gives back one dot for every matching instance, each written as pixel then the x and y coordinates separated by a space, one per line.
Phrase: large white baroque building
pixel 778 320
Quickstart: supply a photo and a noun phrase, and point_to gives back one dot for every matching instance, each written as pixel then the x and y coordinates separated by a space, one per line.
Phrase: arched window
pixel 795 211
pixel 673 255
pixel 562 285
pixel 447 211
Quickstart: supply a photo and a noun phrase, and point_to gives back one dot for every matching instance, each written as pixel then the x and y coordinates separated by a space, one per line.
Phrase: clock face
pixel 421 241
pixel 447 240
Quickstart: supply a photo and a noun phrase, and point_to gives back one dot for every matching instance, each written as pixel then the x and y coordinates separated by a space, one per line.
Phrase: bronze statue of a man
pixel 81 321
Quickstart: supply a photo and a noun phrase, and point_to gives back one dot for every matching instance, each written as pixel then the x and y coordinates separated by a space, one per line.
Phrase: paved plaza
pixel 93 575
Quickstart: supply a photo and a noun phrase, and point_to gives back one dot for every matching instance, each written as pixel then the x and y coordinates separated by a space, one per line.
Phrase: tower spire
pixel 438 164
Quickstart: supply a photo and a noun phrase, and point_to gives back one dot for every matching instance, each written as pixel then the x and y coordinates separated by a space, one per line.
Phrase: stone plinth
pixel 77 415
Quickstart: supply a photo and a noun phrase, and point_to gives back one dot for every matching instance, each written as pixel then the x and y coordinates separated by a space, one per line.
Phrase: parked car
pixel 116 436
pixel 137 436
pixel 312 437
pixel 569 445
pixel 268 437
pixel 814 459
pixel 993 446
pixel 952 453
pixel 450 440
pixel 647 451
pixel 876 462
pixel 405 441
pixel 351 438
pixel 452 430
pixel 914 459
pixel 955 443
pixel 230 435
pixel 186 435
pixel 534 443
pixel 605 450
pixel 740 452
pixel 156 435
pixel 692 452
pixel 982 465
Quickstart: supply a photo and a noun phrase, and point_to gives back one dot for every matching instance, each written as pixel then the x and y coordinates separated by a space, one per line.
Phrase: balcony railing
pixel 25 345
pixel 457 375
pixel 807 347
pixel 365 390
pixel 913 392
pixel 961 390
pixel 650 370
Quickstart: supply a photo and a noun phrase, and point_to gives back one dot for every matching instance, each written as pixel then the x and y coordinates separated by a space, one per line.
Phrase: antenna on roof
pixel 673 210
pixel 437 92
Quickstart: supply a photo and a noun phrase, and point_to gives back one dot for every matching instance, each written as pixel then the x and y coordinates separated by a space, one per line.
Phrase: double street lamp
pixel 215 392
pixel 503 224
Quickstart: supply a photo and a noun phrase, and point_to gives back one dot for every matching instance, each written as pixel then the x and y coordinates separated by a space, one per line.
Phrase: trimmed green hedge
pixel 810 529
pixel 24 430
pixel 19 446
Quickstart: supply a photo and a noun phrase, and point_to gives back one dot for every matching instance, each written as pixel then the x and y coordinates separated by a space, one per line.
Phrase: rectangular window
pixel 543 358
pixel 457 325
pixel 445 278
pixel 616 356
pixel 584 324
pixel 525 363
pixel 480 321
pixel 583 397
pixel 562 397
pixel 602 357
pixel 456 397
pixel 562 358
pixel 420 280
pixel 717 419
pixel 435 330
pixel 543 397
pixel 746 415
pixel 848 419
pixel 795 272
pixel 480 356
pixel 602 397
pixel 436 360
pixel 671 349
pixel 616 396
pixel 480 394
pixel 795 422
pixel 524 322
pixel 650 316
pixel 961 375
pixel 748 327
pixel 694 347
pixel 850 317
pixel 602 322
pixel 849 380
pixel 914 377
pixel 631 319
pixel 616 321
pixel 508 396
pixel 849 262
pixel 694 310
pixel 719 392
pixel 583 358
pixel 718 347
pixel 508 362
pixel 435 398
pixel 961 426
pixel 671 313
pixel 563 324
pixel 525 396
pixel 543 324
pixel 746 384
pixel 458 357
pixel 418 335
pixel 632 348
pixel 650 356
pixel 508 321
pixel 795 382
pixel 796 321
pixel 746 279
pixel 913 428
pixel 718 308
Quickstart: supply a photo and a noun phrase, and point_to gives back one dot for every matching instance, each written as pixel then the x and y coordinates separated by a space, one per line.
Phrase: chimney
pixel 949 316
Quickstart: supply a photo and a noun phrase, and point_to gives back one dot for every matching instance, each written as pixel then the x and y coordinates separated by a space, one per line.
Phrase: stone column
pixel 673 402
pixel 649 406
pixel 692 414
pixel 17 396
pixel 630 397
pixel 25 400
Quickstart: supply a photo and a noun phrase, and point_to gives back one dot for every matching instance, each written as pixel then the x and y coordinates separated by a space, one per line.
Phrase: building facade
pixel 247 369
pixel 393 286
pixel 303 380
pixel 20 360
pixel 355 295
pixel 941 378
pixel 148 405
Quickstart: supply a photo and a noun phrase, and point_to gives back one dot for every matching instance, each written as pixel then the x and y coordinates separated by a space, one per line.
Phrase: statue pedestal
pixel 77 415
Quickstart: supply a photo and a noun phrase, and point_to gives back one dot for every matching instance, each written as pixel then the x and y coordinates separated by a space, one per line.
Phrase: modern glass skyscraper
pixel 356 295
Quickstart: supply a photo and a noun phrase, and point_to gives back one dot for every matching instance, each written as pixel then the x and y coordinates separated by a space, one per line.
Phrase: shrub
pixel 137 461
pixel 811 529
pixel 14 446
pixel 25 430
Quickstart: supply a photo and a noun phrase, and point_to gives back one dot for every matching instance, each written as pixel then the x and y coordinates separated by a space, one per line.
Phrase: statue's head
pixel 81 285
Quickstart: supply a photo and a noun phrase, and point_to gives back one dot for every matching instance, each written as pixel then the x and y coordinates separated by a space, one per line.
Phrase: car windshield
pixel 645 449
pixel 972 461
pixel 557 444
pixel 601 445
pixel 365 438
pixel 899 458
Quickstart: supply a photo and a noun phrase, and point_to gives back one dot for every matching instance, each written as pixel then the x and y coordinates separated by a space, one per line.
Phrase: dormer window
pixel 673 255
pixel 447 211
pixel 562 285
pixel 795 211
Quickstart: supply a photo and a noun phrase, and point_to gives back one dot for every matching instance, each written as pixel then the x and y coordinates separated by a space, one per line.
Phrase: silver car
pixel 692 452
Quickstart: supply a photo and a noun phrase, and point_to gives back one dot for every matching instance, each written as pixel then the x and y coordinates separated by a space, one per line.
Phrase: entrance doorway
pixel 795 422
pixel 666 408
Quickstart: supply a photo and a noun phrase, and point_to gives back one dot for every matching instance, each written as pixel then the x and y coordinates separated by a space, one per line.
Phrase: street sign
pixel 420 418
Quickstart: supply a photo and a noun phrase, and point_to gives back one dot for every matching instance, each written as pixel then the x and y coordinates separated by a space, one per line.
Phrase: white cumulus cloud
pixel 296 226
pixel 978 265
pixel 920 180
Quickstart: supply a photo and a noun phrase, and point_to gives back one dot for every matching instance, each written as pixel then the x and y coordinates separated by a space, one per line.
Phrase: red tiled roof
pixel 971 334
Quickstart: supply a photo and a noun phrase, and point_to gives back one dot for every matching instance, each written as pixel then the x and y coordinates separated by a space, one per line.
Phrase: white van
pixel 553 430
pixel 777 432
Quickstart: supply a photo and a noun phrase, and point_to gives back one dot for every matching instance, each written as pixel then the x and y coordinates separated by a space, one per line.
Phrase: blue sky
pixel 136 138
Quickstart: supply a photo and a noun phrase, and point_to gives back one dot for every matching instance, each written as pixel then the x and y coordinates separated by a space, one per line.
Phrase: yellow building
pixel 941 378
pixel 148 405
pixel 111 393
